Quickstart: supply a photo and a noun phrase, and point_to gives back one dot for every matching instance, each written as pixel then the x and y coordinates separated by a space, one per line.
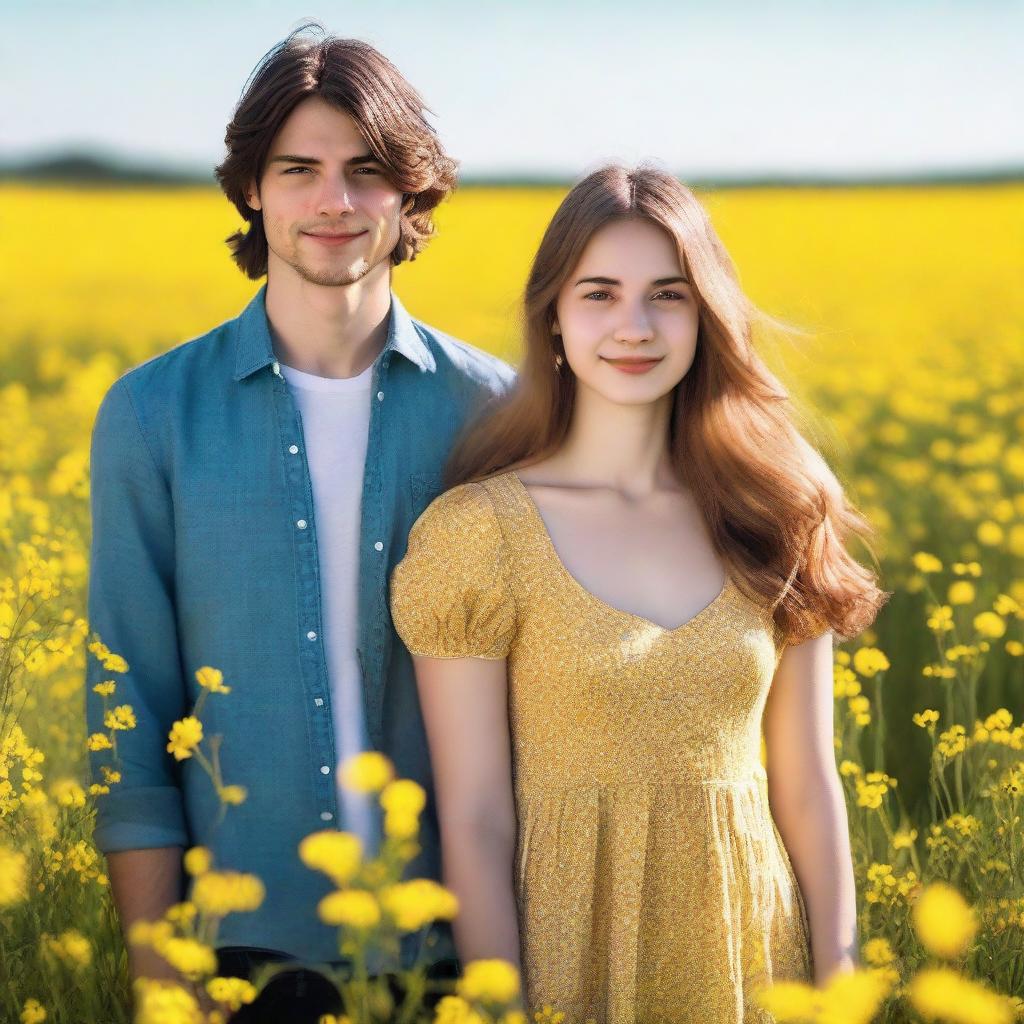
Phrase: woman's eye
pixel 592 294
pixel 669 295
pixel 368 170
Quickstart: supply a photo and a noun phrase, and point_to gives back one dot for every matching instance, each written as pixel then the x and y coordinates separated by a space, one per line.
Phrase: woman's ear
pixel 408 203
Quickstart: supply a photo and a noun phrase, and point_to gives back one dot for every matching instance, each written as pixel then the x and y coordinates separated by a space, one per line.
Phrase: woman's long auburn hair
pixel 777 515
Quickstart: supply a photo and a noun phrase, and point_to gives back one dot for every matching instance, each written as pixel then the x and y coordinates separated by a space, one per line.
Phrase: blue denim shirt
pixel 204 552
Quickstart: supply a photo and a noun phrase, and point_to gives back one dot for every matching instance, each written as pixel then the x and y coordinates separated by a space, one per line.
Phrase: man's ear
pixel 252 196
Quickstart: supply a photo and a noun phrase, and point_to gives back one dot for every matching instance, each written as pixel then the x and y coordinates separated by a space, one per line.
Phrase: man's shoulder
pixel 459 358
pixel 187 365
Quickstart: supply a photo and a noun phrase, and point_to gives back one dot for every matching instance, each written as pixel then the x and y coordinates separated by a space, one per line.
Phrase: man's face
pixel 328 210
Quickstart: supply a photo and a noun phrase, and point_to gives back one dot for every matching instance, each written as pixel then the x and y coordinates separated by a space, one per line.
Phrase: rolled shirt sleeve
pixel 131 609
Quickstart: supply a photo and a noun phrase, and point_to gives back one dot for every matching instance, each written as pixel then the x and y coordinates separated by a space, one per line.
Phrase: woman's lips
pixel 334 239
pixel 632 365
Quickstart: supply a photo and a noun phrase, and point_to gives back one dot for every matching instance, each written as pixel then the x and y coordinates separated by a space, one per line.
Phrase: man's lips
pixel 333 239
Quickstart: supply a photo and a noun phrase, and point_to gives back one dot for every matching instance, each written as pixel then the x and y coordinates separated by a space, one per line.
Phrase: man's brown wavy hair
pixel 360 81
pixel 778 515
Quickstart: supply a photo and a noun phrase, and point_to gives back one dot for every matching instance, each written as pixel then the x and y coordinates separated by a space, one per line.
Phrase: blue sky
pixel 705 89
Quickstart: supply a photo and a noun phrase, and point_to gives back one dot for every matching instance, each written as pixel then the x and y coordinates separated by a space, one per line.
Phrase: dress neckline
pixel 552 553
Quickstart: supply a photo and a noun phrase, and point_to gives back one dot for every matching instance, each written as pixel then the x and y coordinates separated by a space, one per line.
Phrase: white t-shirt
pixel 335 416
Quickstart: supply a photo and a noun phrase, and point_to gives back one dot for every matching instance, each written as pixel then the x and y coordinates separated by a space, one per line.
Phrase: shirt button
pixel 276 368
pixel 301 524
pixel 311 635
pixel 379 546
pixel 318 701
pixel 326 815
pixel 294 449
pixel 380 396
pixel 325 769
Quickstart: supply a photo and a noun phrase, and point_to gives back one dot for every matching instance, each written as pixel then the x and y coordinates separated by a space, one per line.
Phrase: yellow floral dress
pixel 652 883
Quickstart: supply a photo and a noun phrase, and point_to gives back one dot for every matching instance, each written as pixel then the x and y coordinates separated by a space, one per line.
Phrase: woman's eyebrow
pixel 660 282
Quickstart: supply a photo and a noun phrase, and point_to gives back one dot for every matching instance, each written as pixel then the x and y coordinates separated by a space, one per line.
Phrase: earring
pixel 559 363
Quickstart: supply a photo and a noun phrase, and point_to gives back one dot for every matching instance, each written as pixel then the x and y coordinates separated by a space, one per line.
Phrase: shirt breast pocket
pixel 424 487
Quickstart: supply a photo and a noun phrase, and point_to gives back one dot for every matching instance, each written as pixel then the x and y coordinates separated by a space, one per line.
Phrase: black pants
pixel 301 996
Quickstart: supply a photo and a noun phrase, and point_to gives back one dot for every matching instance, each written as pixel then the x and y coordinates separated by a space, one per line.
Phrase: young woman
pixel 638 565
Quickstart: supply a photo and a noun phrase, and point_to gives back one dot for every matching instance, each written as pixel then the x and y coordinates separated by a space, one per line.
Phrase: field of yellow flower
pixel 911 378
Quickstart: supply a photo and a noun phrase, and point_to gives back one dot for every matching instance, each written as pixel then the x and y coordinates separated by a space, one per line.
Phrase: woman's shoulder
pixel 474 500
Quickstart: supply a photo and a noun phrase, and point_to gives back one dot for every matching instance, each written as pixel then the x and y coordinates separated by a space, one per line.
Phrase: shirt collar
pixel 255 350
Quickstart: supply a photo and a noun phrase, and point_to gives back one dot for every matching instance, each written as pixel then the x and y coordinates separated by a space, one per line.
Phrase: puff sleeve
pixel 449 595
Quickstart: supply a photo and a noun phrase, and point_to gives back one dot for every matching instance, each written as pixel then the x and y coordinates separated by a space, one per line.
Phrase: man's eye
pixel 368 170
pixel 290 169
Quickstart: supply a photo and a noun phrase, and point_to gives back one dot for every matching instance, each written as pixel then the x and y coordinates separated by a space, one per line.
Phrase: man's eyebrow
pixel 292 158
pixel 611 280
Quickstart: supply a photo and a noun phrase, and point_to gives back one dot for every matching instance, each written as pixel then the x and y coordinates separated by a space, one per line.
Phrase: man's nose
pixel 335 197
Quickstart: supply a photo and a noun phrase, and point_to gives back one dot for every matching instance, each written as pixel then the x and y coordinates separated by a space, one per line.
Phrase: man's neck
pixel 330 332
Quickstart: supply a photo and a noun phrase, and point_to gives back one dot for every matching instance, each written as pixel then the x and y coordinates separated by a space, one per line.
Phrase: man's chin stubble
pixel 333 278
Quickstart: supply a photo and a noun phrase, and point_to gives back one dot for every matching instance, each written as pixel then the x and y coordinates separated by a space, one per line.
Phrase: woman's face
pixel 628 299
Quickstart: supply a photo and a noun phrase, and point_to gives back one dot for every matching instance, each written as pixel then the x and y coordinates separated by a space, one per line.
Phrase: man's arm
pixel 144 884
pixel 140 823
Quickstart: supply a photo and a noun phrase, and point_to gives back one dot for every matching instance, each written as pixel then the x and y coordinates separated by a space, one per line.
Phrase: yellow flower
pixel 788 1001
pixel 105 688
pixel 403 796
pixel 854 997
pixel 366 772
pixel 398 825
pixel 185 735
pixel 961 592
pixel 225 892
pixel 68 793
pixel 121 717
pixel 233 794
pixel 211 679
pixel 990 625
pixel 233 991
pixel 904 840
pixel 71 947
pixel 98 741
pixel 189 956
pixel 926 718
pixel 926 563
pixel 869 661
pixel 938 993
pixel 489 981
pixel 181 913
pixel 989 533
pixel 353 908
pixel 337 854
pixel 198 860
pixel 161 1002
pixel 878 952
pixel 13 876
pixel 455 1010
pixel 944 922
pixel 941 619
pixel 33 1013
pixel 416 903
pixel 115 663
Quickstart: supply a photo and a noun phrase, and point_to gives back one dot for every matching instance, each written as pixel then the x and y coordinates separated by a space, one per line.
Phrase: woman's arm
pixel 465 711
pixel 807 802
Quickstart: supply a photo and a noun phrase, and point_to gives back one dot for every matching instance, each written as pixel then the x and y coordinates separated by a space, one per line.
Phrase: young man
pixel 252 490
